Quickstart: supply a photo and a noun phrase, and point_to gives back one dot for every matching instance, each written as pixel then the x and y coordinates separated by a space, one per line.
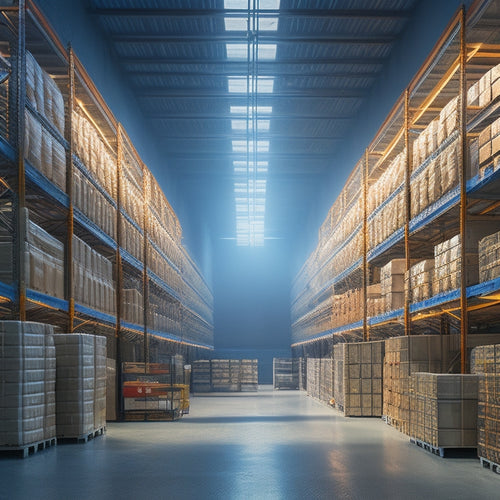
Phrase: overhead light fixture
pixel 244 85
pixel 262 125
pixel 248 110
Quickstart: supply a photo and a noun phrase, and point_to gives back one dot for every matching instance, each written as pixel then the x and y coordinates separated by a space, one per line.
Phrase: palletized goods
pixel 358 378
pixel 443 409
pixel 27 384
pixel 81 384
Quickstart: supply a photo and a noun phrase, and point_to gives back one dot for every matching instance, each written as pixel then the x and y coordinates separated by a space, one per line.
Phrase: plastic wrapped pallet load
pixel 249 378
pixel 358 378
pixel 405 356
pixel 443 409
pixel 485 361
pixel 27 384
pixel 80 384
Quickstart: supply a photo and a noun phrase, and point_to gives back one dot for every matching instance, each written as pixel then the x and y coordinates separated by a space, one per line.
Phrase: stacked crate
pixel 403 357
pixel 447 271
pixel 27 384
pixel 392 284
pixel 338 379
pixel 326 380
pixel 284 374
pixel 225 375
pixel 485 361
pixel 489 257
pixel 80 384
pixel 375 303
pixel 419 280
pixel 249 378
pixel 443 409
pixel 358 378
pixel 302 370
pixel 313 377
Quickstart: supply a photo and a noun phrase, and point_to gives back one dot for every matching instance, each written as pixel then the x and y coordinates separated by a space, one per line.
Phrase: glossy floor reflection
pixel 266 445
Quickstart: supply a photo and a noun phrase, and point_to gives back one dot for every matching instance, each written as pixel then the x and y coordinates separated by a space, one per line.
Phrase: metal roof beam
pixel 162 115
pixel 263 38
pixel 320 93
pixel 243 66
pixel 267 72
pixel 308 13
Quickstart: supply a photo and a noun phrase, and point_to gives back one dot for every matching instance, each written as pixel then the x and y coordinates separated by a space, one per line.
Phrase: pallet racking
pixel 69 170
pixel 425 192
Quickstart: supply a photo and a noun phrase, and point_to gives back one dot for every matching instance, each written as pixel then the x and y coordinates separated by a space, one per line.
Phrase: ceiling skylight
pixel 236 23
pixel 245 125
pixel 247 111
pixel 239 84
pixel 243 146
pixel 239 51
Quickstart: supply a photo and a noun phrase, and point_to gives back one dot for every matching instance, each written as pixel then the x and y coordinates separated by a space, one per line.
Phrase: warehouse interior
pixel 248 246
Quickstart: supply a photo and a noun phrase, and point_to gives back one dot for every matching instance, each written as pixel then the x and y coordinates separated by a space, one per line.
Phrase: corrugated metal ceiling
pixel 329 54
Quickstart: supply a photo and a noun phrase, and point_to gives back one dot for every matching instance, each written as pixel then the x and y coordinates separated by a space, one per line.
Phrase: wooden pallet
pixel 439 450
pixel 28 449
pixel 83 438
pixel 488 464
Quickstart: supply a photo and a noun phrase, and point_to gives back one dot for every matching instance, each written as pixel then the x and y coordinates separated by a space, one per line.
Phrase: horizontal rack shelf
pixel 131 260
pixel 84 170
pixel 132 221
pixel 93 228
pixel 8 291
pixel 385 317
pixel 160 251
pixel 102 317
pixel 47 300
pixel 36 177
pixel 383 247
pixel 7 150
pixel 386 202
pixel 433 211
pixel 175 338
pixel 46 123
pixel 330 333
pixel 163 285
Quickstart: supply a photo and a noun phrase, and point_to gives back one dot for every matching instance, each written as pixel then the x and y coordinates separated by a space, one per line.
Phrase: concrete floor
pixel 265 445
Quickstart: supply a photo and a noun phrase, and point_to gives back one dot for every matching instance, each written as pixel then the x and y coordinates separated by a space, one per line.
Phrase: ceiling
pixel 181 58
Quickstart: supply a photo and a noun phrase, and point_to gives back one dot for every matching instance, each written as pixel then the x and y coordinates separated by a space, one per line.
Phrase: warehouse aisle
pixel 266 445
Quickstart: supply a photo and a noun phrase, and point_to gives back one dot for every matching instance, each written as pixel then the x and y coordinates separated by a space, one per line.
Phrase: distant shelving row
pixel 86 233
pixel 410 244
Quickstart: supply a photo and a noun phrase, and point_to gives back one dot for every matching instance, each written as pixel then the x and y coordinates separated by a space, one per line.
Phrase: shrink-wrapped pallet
pixel 489 257
pixel 443 409
pixel 358 378
pixel 133 306
pixel 249 378
pixel 403 357
pixel 27 383
pixel 100 382
pixel 313 377
pixel 419 280
pixel 80 384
